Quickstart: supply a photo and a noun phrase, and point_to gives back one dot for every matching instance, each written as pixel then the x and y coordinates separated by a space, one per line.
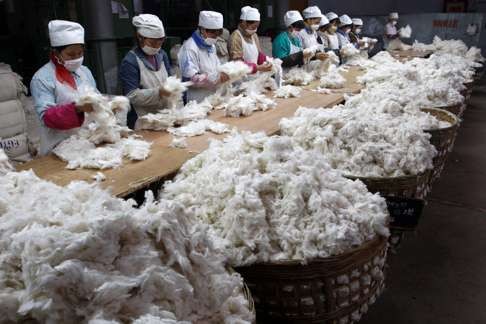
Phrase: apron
pixel 148 80
pixel 250 50
pixel 308 40
pixel 208 64
pixel 64 94
pixel 333 41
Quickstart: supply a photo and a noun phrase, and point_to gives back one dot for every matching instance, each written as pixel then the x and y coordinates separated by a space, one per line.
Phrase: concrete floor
pixel 439 273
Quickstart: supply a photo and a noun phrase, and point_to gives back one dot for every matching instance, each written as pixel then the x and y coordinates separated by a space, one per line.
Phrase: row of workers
pixel 144 69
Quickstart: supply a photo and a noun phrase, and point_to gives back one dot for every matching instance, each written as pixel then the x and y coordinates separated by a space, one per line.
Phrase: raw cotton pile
pixel 287 91
pixel 5 165
pixel 298 77
pixel 332 79
pixel 168 118
pixel 359 143
pixel 79 152
pixel 405 32
pixel 245 105
pixel 78 255
pixel 319 68
pixel 236 70
pixel 102 126
pixel 175 87
pixel 265 200
pixel 178 142
pixel 349 50
pixel 199 127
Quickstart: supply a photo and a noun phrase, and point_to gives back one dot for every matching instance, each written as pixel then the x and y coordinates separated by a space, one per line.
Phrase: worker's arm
pixel 188 60
pixel 55 116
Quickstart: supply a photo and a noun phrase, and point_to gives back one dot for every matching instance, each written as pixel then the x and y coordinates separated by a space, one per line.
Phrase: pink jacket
pixel 63 117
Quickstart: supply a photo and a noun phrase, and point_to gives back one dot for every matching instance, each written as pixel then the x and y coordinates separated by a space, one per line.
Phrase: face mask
pixel 150 50
pixel 333 29
pixel 394 23
pixel 250 31
pixel 314 27
pixel 73 65
pixel 210 41
pixel 347 30
pixel 358 31
pixel 294 33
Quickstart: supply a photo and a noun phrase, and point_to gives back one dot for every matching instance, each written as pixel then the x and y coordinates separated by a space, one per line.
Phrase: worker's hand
pixel 223 77
pixel 321 56
pixel 163 93
pixel 308 53
pixel 265 67
pixel 86 108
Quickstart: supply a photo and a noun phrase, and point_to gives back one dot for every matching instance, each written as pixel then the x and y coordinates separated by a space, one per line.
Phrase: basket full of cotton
pixel 78 255
pixel 276 209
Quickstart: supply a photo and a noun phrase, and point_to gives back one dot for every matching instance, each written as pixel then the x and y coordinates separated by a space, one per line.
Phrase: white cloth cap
pixel 331 16
pixel 393 15
pixel 63 32
pixel 357 22
pixel 345 20
pixel 324 21
pixel 250 14
pixel 291 17
pixel 312 12
pixel 149 26
pixel 210 20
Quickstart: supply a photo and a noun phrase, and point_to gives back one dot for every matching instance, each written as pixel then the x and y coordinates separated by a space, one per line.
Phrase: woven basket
pixel 414 186
pixel 443 139
pixel 457 109
pixel 333 290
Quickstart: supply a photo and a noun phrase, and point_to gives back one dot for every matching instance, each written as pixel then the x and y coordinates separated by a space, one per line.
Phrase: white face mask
pixel 347 30
pixel 358 30
pixel 314 27
pixel 210 41
pixel 73 65
pixel 250 31
pixel 150 50
pixel 294 33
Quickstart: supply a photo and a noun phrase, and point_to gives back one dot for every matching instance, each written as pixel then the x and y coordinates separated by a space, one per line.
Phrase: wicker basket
pixel 457 109
pixel 333 290
pixel 443 139
pixel 414 186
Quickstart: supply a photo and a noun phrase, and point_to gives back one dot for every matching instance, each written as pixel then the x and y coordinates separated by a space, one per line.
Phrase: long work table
pixel 165 161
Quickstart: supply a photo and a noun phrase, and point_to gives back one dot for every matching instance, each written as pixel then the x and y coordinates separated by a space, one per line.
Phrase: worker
pixel 345 25
pixel 329 35
pixel 287 46
pixel 355 34
pixel 55 86
pixel 145 68
pixel 312 18
pixel 391 30
pixel 198 59
pixel 321 36
pixel 244 43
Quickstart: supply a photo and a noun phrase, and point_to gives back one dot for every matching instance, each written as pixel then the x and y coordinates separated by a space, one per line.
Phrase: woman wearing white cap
pixel 308 36
pixel 198 59
pixel 244 43
pixel 329 36
pixel 391 30
pixel 287 46
pixel 355 34
pixel 55 86
pixel 145 68
pixel 345 26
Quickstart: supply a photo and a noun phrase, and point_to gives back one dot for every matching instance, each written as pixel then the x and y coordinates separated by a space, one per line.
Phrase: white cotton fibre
pixel 298 76
pixel 332 79
pixel 176 88
pixel 288 91
pixel 78 255
pixel 360 143
pixel 266 200
pixel 405 32
pixel 235 70
pixel 199 127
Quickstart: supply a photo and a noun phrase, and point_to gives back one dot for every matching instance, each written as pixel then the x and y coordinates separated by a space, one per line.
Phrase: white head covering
pixel 357 22
pixel 345 20
pixel 291 17
pixel 149 26
pixel 312 12
pixel 324 21
pixel 250 14
pixel 63 32
pixel 393 15
pixel 210 20
pixel 331 16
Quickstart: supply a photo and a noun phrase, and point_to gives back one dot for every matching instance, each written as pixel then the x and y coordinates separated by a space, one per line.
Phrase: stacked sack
pixel 14 138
